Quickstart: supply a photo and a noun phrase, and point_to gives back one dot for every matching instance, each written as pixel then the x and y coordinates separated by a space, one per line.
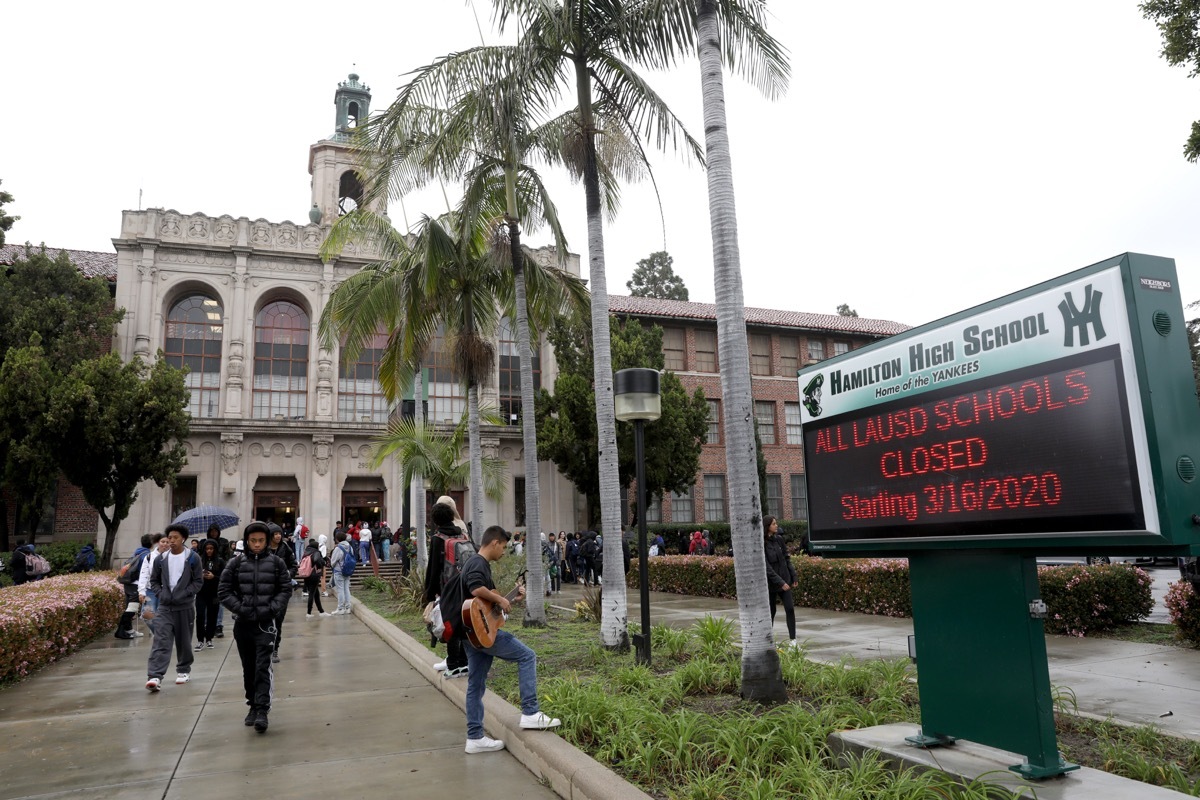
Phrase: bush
pixel 676 534
pixel 46 620
pixel 1082 599
pixel 1185 611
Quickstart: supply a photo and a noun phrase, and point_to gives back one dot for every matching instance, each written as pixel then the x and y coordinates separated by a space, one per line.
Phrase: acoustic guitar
pixel 483 619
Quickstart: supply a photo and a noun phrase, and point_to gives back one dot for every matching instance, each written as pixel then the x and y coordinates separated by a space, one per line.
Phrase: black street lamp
pixel 637 400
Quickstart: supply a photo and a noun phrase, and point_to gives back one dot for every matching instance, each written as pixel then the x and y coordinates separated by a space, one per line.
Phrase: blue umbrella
pixel 199 519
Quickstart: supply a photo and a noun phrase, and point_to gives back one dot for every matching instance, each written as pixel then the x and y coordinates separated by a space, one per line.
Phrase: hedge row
pixel 1080 598
pixel 1184 608
pixel 46 620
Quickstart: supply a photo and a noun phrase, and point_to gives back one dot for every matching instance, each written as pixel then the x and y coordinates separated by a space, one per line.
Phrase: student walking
pixel 176 578
pixel 781 575
pixel 256 587
pixel 211 566
pixel 476 581
pixel 341 583
pixel 316 563
pixel 288 555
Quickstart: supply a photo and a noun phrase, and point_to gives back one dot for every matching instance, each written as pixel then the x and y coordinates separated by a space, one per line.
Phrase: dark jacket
pixel 287 552
pixel 313 551
pixel 215 565
pixel 255 586
pixel 779 566
pixel 437 560
pixel 85 559
pixel 20 567
pixel 184 593
pixel 223 547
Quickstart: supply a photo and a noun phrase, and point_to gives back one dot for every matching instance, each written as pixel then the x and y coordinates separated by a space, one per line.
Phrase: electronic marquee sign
pixel 1062 417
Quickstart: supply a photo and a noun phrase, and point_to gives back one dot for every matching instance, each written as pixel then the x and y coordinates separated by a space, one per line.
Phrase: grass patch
pixel 679 730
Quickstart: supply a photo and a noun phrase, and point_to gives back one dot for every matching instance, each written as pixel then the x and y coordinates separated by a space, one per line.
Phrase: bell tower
pixel 336 186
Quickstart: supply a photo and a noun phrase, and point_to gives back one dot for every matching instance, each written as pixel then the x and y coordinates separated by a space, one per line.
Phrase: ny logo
pixel 1075 319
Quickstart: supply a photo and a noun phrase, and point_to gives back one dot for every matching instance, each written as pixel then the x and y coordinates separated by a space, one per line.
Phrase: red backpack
pixel 458 550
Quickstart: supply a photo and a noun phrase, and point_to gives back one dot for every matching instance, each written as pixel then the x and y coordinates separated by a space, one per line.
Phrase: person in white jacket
pixel 364 544
pixel 158 546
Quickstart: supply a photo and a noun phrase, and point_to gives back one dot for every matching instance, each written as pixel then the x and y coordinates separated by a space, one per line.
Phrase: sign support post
pixel 981 656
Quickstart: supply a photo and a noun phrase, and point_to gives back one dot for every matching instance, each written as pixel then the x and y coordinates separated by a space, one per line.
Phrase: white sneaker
pixel 325 614
pixel 539 722
pixel 182 678
pixel 153 684
pixel 138 634
pixel 440 666
pixel 308 616
pixel 484 745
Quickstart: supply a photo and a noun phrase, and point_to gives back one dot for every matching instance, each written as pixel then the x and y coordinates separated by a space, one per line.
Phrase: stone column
pixel 325 365
pixel 235 366
pixel 322 503
pixel 145 303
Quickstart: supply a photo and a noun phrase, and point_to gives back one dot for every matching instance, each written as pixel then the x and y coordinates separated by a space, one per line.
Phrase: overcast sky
pixel 928 156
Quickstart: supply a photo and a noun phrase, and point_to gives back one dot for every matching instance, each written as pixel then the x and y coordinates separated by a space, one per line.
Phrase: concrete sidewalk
pixel 350 719
pixel 1141 684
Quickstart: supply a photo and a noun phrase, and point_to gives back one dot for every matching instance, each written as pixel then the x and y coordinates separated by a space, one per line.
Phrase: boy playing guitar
pixel 477 582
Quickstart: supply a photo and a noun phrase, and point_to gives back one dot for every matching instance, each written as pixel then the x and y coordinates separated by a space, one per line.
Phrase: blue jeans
pixel 387 550
pixel 341 585
pixel 479 662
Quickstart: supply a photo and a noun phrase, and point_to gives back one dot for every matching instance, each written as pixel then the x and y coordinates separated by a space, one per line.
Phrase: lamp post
pixel 637 400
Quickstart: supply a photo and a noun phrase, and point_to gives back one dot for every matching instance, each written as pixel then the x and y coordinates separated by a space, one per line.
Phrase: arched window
pixel 510 373
pixel 350 192
pixel 281 361
pixel 193 340
pixel 447 397
pixel 360 397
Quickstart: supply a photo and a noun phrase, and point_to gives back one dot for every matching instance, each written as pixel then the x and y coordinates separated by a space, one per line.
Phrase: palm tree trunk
pixel 475 449
pixel 762 679
pixel 418 482
pixel 535 599
pixel 614 624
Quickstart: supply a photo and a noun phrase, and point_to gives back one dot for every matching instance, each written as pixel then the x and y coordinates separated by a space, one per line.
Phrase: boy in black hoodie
pixel 256 587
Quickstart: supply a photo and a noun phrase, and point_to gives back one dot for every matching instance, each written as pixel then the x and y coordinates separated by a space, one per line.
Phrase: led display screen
pixel 1045 448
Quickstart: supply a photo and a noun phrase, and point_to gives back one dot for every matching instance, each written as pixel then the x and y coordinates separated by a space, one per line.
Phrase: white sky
pixel 929 156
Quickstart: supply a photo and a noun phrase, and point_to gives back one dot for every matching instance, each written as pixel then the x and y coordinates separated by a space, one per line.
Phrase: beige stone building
pixel 281 426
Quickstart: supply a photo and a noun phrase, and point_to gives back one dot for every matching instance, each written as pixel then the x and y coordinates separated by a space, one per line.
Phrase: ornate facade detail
pixel 324 384
pixel 286 236
pixel 256 449
pixel 147 271
pixel 198 228
pixel 170 227
pixel 208 259
pixel 311 238
pixel 322 452
pixel 260 234
pixel 231 452
pixel 226 230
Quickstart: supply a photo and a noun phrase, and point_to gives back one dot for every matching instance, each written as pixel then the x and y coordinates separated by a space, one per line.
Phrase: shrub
pixel 1185 611
pixel 44 621
pixel 1082 599
pixel 61 556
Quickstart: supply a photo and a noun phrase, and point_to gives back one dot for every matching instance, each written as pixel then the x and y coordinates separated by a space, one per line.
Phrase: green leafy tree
pixel 844 310
pixel 118 424
pixel 30 468
pixel 567 419
pixel 6 221
pixel 1179 23
pixel 654 277
pixel 71 318
pixel 1193 329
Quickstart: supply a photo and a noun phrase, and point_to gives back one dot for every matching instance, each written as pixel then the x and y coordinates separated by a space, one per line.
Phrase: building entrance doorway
pixel 277 507
pixel 365 507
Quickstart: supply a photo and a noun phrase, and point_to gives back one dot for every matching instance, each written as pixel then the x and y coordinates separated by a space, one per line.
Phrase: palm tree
pixel 486 137
pixel 733 31
pixel 436 455
pixel 591 38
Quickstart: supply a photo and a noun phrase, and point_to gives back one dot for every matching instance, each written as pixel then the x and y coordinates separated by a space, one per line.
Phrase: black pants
pixel 279 627
pixel 789 610
pixel 311 585
pixel 255 641
pixel 456 653
pixel 206 617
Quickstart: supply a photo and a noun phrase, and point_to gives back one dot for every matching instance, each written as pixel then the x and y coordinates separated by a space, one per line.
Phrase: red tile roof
pixel 679 309
pixel 91 263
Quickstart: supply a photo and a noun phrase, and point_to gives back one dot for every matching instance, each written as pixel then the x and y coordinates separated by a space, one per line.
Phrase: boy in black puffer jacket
pixel 256 586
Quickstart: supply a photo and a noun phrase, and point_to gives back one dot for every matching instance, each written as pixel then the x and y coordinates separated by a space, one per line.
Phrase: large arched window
pixel 360 397
pixel 447 397
pixel 510 373
pixel 281 361
pixel 193 340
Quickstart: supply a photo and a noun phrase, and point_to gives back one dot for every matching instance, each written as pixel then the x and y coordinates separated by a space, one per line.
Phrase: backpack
pixel 589 549
pixel 349 563
pixel 306 567
pixel 303 532
pixel 458 550
pixel 85 561
pixel 36 566
pixel 131 570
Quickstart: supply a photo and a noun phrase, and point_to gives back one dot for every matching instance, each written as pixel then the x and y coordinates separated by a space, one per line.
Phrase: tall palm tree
pixel 486 136
pixel 732 31
pixel 585 42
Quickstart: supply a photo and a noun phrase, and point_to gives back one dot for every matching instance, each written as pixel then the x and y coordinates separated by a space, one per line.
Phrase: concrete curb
pixel 571 773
